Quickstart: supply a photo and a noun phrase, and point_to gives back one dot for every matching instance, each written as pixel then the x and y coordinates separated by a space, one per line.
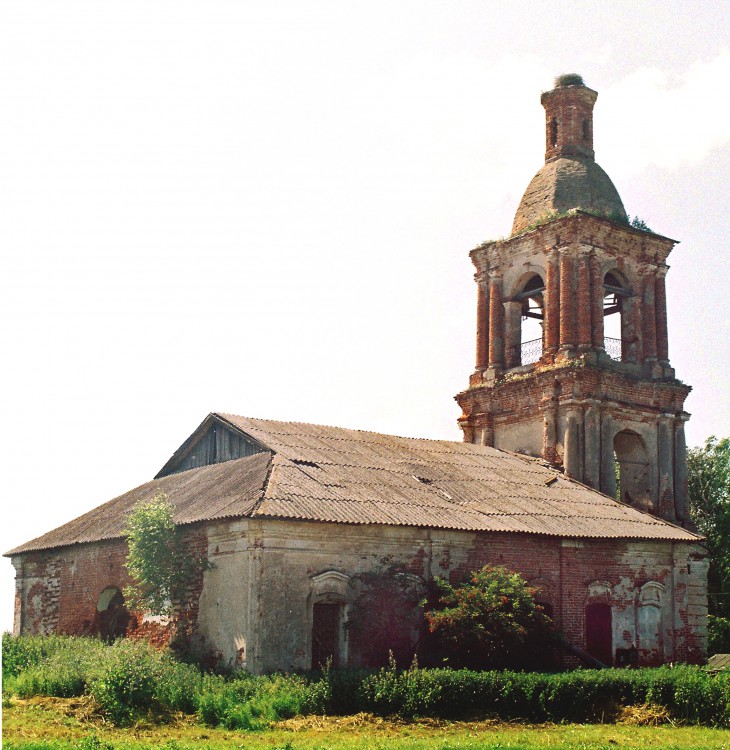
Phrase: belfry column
pixel 596 302
pixel 482 325
pixel 584 299
pixel 552 304
pixel 567 321
pixel 512 338
pixel 496 324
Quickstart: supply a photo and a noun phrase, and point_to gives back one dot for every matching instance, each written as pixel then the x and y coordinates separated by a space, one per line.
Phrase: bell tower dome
pixel 572 360
pixel 570 177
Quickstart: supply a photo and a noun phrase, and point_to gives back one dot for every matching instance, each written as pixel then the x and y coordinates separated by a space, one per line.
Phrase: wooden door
pixel 599 637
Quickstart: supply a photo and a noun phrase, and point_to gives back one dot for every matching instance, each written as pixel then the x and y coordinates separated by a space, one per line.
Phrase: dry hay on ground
pixel 648 715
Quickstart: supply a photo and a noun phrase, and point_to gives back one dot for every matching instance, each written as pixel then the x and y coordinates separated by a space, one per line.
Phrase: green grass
pixel 130 682
pixel 62 724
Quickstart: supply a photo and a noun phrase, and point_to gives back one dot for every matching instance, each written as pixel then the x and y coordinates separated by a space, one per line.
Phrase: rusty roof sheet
pixel 332 474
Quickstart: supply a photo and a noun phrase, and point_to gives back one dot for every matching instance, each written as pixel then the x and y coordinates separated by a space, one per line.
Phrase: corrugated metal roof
pixel 219 491
pixel 365 477
pixel 334 474
pixel 719 661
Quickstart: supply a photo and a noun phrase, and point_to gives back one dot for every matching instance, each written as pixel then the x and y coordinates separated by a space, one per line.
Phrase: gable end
pixel 212 443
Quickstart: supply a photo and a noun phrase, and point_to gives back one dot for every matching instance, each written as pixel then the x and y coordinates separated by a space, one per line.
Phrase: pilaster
pixel 665 466
pixel 592 445
pixel 608 468
pixel 680 469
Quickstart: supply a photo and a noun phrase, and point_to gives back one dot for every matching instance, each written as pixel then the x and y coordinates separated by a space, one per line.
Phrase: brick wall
pixel 58 591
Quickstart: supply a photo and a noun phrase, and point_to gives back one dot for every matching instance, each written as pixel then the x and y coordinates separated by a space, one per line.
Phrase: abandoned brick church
pixel 291 515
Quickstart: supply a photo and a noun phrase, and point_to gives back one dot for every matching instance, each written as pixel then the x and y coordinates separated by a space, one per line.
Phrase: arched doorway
pixel 328 640
pixel 111 615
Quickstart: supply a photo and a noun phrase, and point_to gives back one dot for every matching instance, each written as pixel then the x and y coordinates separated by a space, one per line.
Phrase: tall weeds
pixel 129 680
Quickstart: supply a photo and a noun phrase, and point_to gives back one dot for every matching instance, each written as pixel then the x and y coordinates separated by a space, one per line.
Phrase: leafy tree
pixel 490 621
pixel 158 563
pixel 709 500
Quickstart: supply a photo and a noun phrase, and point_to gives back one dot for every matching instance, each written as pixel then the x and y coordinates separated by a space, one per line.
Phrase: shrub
pixel 126 683
pixel 132 679
pixel 718 635
pixel 490 621
pixel 179 687
pixel 688 694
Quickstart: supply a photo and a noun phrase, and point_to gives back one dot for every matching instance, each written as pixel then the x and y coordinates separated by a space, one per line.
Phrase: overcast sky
pixel 266 208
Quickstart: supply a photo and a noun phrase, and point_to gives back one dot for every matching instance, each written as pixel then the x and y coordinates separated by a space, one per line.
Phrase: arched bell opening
pixel 633 478
pixel 525 315
pixel 616 305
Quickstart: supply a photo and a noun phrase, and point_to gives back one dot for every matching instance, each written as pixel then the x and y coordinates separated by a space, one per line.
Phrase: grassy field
pixel 64 723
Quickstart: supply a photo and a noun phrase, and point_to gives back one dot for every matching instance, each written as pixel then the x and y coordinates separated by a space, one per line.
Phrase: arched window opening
pixel 586 130
pixel 633 475
pixel 615 338
pixel 111 616
pixel 553 132
pixel 525 323
pixel 599 632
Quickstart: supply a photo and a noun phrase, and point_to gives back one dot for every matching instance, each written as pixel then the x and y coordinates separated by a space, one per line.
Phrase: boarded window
pixel 599 639
pixel 325 634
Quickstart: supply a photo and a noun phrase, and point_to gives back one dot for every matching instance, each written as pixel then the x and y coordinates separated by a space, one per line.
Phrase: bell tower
pixel 572 358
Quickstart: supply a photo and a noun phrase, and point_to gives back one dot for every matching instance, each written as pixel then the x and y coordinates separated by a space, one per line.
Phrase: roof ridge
pixel 228 415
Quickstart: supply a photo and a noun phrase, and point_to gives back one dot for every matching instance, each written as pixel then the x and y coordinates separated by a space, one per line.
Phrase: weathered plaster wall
pixel 254 607
pixel 292 555
pixel 224 623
